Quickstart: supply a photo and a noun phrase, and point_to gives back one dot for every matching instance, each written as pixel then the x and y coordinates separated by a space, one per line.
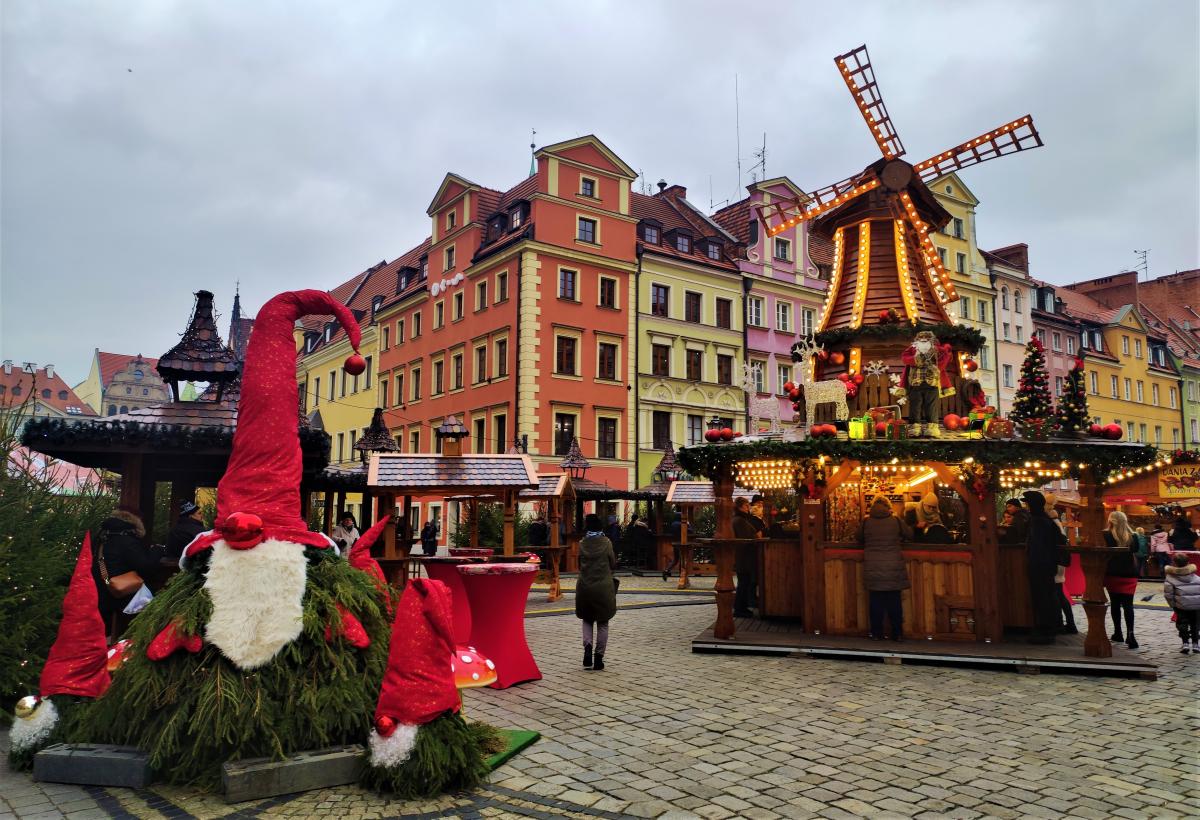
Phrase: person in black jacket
pixel 746 562
pixel 1183 537
pixel 121 548
pixel 1045 541
pixel 186 528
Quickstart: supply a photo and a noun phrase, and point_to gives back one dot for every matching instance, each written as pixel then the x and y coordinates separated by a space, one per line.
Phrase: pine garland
pixel 960 337
pixel 192 713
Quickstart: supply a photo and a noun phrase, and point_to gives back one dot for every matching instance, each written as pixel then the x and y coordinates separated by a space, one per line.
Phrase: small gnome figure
pixel 421 745
pixel 76 668
pixel 925 380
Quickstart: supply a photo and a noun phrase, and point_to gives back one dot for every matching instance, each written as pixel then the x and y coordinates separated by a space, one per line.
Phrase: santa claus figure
pixel 924 381
pixel 268 642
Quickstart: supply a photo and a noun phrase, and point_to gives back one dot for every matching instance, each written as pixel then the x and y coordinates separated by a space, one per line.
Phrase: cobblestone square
pixel 663 732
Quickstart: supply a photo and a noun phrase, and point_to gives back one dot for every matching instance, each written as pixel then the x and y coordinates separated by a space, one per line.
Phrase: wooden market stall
pixel 968 600
pixel 689 496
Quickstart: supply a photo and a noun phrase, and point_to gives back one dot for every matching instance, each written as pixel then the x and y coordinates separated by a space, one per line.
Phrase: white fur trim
pixel 390 752
pixel 32 732
pixel 257 596
pixel 183 556
pixel 333 544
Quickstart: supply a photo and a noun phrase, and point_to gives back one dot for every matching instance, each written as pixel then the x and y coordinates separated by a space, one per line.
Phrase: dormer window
pixel 683 244
pixel 310 341
pixel 424 268
pixel 514 219
pixel 650 234
pixel 376 304
pixel 328 331
pixel 712 250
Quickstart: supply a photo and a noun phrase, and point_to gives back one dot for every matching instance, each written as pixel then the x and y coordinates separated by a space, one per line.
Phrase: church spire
pixel 532 152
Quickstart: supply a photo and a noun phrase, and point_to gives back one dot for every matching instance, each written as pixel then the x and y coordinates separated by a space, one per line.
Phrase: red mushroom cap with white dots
pixel 472 669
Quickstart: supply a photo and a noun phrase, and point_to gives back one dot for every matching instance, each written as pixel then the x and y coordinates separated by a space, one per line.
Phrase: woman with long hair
pixel 1121 577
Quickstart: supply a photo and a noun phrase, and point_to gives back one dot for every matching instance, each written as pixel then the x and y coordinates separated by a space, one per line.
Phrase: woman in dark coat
pixel 595 591
pixel 1046 539
pixel 884 574
pixel 120 545
pixel 1183 537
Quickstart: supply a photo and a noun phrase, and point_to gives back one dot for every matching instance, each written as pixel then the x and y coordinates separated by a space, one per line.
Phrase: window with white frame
pixel 1124 345
pixel 1129 431
pixel 1191 391
pixel 760 376
pixel 1008 375
pixel 1137 348
pixel 960 262
pixel 1020 334
pixel 1128 390
pixel 1007 331
pixel 1070 345
pixel 1017 300
pixel 1004 297
pixel 985 358
pixel 983 311
pixel 1195 431
pixel 1141 391
pixel 1058 385
pixel 783 315
pixel 964 307
pixel 808 319
pixel 1174 396
pixel 1095 387
pixel 783 375
pixel 1056 341
pixel 1115 387
pixel 1175 437
pixel 783 249
pixel 754 311
pixel 1142 433
pixel 1154 396
pixel 695 430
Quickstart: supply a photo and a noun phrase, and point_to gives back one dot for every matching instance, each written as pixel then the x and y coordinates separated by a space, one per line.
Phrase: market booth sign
pixel 1179 481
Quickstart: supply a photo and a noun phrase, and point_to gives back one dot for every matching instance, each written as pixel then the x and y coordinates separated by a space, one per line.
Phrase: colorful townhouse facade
pixel 690 351
pixel 784 280
pixel 520 321
pixel 958 247
pixel 1131 380
pixel 1170 305
pixel 1057 331
pixel 1008 272
pixel 39 392
pixel 118 382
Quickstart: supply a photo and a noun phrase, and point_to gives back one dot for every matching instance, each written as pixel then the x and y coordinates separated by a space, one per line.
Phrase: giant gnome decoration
pixel 268 642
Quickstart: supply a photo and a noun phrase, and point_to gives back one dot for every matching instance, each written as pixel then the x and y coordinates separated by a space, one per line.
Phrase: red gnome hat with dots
pixel 418 685
pixel 259 496
pixel 78 662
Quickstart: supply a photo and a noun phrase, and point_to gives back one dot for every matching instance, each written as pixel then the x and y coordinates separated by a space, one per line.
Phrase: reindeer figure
pixel 817 392
pixel 760 408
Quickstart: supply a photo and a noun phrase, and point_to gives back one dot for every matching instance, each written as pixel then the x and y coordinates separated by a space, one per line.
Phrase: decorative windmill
pixel 880 219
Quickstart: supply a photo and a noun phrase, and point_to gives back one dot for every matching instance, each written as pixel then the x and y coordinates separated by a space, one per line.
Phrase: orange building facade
pixel 518 318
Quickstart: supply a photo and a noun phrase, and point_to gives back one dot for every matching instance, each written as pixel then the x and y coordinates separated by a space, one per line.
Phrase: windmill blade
pixel 786 213
pixel 1011 137
pixel 860 79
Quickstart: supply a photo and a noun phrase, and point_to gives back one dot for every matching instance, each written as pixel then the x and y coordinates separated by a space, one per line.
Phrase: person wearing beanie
pixel 1121 575
pixel 595 591
pixel 881 535
pixel 745 566
pixel 1045 542
pixel 1182 591
pixel 189 525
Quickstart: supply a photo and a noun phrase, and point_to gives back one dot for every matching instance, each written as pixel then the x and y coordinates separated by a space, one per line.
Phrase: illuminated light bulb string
pixel 910 304
pixel 1122 475
pixel 835 279
pixel 864 265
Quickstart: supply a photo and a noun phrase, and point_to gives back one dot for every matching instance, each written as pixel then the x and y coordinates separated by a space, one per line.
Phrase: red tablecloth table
pixel 446 571
pixel 497 594
pixel 1075 583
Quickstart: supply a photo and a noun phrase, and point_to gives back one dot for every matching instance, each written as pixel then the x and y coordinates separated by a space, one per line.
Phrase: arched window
pixel 17 390
pixel 1017 301
pixel 124 409
pixel 45 394
pixel 62 395
pixel 112 410
pixel 1004 297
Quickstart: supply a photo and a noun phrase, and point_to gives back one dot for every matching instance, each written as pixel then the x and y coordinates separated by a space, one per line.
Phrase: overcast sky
pixel 154 148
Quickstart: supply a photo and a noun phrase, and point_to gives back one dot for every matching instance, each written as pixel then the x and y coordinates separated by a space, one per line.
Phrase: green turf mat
pixel 515 741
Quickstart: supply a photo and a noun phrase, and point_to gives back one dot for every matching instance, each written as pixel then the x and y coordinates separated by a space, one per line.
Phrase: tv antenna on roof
pixel 1143 263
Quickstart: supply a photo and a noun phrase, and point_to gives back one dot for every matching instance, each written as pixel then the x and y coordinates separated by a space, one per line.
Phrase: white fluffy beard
pixel 257 597
pixel 31 732
pixel 393 751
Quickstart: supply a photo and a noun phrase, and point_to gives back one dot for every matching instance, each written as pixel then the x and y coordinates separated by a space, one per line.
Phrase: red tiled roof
pixel 113 363
pixel 820 249
pixel 1082 306
pixel 736 218
pixel 674 216
pixel 16 385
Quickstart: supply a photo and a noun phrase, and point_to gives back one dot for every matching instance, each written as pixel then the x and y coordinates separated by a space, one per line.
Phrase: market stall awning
pixel 700 492
pixel 468 474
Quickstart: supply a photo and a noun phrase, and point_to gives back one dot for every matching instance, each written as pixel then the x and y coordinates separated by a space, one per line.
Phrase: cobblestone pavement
pixel 666 733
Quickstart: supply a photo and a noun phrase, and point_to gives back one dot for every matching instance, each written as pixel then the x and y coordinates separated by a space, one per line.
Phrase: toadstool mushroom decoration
pixel 471 670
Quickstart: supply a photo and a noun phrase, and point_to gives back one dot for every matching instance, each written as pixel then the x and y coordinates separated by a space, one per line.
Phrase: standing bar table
pixel 497 594
pixel 446 571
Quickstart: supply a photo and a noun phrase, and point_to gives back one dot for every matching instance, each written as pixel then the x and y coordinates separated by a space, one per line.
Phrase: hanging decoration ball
pixel 27 705
pixel 837 357
pixel 712 435
pixel 823 355
pixel 858 378
pixel 1113 431
pixel 842 377
pixel 385 726
pixel 885 315
pixel 971 365
pixel 355 364
pixel 796 406
pixel 1096 430
pixel 881 428
pixel 952 421
pixel 788 387
pixel 727 434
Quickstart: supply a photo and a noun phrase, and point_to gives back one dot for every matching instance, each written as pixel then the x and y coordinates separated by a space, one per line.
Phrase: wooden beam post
pixel 985 563
pixel 724 550
pixel 146 493
pixel 131 482
pixel 327 524
pixel 473 512
pixel 1094 563
pixel 510 522
pixel 685 549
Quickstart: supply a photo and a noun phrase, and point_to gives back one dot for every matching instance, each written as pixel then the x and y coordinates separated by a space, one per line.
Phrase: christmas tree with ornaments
pixel 268 642
pixel 1071 415
pixel 1032 407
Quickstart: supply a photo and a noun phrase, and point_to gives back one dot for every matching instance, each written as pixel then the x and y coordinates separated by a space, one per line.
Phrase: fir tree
pixel 1071 415
pixel 1033 390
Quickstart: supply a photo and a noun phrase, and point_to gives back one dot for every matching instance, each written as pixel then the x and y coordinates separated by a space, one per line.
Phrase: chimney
pixel 662 185
pixel 49 371
pixel 7 367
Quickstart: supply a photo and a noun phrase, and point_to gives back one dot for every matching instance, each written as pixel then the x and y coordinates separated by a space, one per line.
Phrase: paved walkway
pixel 663 732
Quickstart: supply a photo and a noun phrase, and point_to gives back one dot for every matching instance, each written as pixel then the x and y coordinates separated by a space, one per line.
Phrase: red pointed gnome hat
pixel 259 496
pixel 418 685
pixel 78 662
pixel 360 554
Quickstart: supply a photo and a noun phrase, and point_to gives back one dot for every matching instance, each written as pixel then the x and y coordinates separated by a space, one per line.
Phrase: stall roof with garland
pixel 1102 456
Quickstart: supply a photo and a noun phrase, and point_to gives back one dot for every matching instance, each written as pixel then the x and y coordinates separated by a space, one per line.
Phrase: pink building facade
pixel 784 279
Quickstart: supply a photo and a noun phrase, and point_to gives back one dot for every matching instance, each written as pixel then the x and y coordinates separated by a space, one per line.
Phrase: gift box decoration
pixel 978 419
pixel 897 429
pixel 887 413
pixel 998 428
pixel 862 428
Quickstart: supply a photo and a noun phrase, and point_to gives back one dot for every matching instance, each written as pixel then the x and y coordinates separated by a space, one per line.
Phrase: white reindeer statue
pixel 828 390
pixel 760 408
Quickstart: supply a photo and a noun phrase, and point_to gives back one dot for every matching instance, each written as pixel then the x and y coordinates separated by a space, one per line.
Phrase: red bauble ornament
pixel 1095 430
pixel 971 365
pixel 1113 431
pixel 737 434
pixel 355 364
pixel 843 377
pixel 795 394
pixel 858 378
pixel 885 315
pixel 881 428
pixel 796 406
pixel 385 726
pixel 727 434
pixel 712 435
pixel 242 530
pixel 823 355
pixel 837 357
pixel 951 421
pixel 788 387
